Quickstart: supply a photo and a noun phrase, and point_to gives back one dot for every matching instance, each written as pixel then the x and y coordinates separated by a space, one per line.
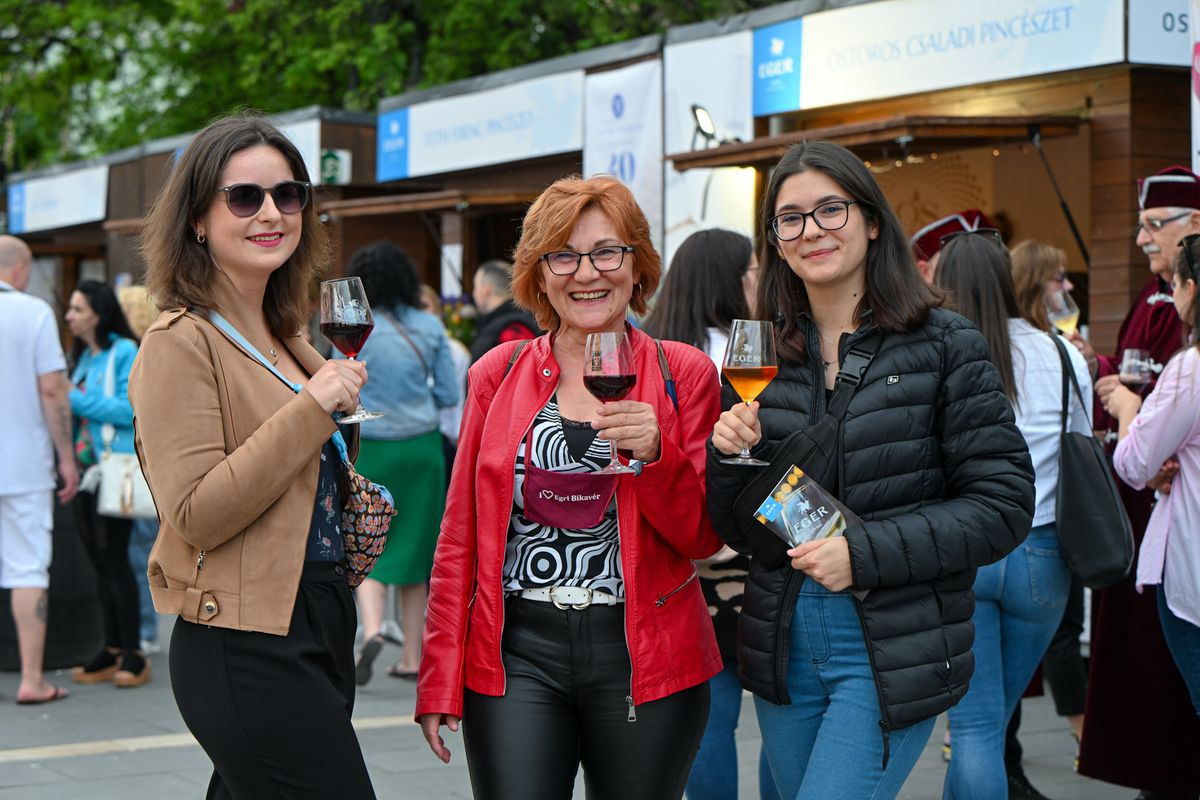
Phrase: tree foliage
pixel 79 78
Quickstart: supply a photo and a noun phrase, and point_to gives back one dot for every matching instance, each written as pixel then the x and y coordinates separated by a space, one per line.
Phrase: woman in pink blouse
pixel 1167 425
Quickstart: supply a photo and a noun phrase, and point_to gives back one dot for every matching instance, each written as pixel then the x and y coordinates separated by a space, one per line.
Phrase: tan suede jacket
pixel 231 456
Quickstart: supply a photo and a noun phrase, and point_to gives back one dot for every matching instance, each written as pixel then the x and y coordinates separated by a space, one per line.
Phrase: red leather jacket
pixel 661 513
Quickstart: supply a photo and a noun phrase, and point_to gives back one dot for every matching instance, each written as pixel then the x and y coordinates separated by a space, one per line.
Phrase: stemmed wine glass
pixel 749 366
pixel 346 321
pixel 1062 311
pixel 1136 369
pixel 609 375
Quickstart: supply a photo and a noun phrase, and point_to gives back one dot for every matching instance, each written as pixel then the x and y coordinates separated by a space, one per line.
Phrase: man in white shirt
pixel 34 415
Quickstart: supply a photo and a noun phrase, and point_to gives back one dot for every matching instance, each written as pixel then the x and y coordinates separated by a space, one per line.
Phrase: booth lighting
pixel 705 127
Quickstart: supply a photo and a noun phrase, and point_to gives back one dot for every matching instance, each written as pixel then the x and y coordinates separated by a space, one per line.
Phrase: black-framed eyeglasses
pixel 829 216
pixel 1153 225
pixel 1186 243
pixel 245 199
pixel 604 259
pixel 991 233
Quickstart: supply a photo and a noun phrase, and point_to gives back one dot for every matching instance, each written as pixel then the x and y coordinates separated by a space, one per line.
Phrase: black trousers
pixel 273 712
pixel 1065 669
pixel 106 540
pixel 568 680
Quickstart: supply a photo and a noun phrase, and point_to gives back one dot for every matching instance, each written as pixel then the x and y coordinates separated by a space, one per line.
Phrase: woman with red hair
pixel 558 643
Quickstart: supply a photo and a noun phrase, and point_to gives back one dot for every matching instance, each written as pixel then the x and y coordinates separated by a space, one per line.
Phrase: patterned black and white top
pixel 537 555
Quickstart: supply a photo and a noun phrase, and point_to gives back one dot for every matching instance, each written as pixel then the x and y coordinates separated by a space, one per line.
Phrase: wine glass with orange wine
pixel 749 366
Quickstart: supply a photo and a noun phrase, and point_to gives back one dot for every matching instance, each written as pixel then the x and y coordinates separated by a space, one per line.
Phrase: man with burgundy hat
pixel 1140 729
pixel 927 242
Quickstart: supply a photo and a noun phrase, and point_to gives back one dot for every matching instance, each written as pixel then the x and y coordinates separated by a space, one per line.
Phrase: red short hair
pixel 548 225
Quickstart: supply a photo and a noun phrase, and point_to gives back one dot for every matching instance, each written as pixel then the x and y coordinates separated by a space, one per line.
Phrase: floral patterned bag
pixel 366 518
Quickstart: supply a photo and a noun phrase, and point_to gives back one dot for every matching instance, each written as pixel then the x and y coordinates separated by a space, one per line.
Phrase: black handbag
pixel 814 449
pixel 1094 533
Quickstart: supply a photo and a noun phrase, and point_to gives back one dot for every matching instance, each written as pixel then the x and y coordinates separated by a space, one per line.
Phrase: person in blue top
pixel 102 334
pixel 412 376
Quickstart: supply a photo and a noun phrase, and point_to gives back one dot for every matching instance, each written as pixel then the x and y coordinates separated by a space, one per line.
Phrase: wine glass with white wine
pixel 749 365
pixel 1062 311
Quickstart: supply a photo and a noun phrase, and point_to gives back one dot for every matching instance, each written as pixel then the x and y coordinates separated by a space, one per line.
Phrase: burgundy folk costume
pixel 1140 728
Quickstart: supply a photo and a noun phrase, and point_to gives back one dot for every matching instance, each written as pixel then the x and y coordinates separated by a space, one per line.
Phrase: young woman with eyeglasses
pixel 1020 599
pixel 1167 424
pixel 853 644
pixel 246 469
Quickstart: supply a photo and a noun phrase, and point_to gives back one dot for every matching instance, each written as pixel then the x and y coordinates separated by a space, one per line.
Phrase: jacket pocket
pixel 662 599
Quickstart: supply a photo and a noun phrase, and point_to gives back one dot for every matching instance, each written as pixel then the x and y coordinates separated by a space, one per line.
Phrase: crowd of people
pixel 563 616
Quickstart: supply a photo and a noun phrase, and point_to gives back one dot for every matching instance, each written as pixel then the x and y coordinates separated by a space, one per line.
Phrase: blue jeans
pixel 1183 640
pixel 1019 602
pixel 141 539
pixel 828 743
pixel 714 773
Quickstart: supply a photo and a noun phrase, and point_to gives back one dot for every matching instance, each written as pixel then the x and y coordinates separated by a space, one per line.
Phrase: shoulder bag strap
pixel 516 353
pixel 665 368
pixel 400 329
pixel 850 376
pixel 107 431
pixel 233 333
pixel 1067 377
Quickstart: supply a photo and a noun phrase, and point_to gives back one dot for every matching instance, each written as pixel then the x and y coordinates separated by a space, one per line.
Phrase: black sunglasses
pixel 245 199
pixel 989 232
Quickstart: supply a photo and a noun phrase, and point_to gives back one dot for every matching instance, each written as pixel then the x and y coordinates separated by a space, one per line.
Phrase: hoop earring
pixel 200 237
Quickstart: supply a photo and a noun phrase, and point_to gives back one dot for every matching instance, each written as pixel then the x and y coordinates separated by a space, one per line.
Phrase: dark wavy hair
pixel 103 301
pixel 896 294
pixel 388 275
pixel 1187 267
pixel 976 274
pixel 703 288
pixel 180 271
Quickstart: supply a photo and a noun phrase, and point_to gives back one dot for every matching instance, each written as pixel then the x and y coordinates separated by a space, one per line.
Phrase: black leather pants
pixel 566 704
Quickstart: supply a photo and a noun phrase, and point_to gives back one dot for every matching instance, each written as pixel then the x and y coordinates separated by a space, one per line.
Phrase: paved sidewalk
pixel 130 744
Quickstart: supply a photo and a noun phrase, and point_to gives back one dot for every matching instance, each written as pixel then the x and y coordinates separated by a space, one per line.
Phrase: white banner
pixel 624 137
pixel 1160 32
pixel 895 48
pixel 712 73
pixel 58 201
pixel 538 117
pixel 1195 62
pixel 307 138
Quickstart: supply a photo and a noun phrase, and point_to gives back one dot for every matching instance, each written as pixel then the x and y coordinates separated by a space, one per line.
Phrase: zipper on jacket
pixel 884 727
pixel 662 600
pixel 632 715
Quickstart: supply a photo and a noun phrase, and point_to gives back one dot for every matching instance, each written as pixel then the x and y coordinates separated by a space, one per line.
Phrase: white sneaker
pixel 150 647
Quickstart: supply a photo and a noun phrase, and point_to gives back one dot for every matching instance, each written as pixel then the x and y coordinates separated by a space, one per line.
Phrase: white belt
pixel 577 597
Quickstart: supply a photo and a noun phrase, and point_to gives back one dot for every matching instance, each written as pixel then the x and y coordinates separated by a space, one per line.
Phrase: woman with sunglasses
pixel 566 625
pixel 1167 424
pixel 1020 599
pixel 234 429
pixel 853 644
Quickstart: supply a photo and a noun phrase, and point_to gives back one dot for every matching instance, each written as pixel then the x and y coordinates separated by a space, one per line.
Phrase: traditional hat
pixel 928 241
pixel 1173 186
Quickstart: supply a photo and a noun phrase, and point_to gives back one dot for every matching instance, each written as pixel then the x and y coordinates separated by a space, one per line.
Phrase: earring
pixel 200 238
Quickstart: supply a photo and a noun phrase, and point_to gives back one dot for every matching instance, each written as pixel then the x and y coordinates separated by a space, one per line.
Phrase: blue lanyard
pixel 233 333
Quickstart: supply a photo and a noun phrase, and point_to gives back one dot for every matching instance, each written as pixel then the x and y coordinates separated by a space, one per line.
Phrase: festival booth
pixel 1040 113
pixel 462 162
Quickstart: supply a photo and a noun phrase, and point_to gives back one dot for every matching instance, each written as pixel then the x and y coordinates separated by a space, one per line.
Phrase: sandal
pixel 396 671
pixel 56 693
pixel 362 668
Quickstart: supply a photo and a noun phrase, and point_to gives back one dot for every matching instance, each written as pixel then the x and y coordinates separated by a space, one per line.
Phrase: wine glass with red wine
pixel 609 375
pixel 346 321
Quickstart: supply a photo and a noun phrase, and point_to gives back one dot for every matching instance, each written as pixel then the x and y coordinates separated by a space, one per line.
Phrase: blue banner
pixel 16 208
pixel 777 67
pixel 391 146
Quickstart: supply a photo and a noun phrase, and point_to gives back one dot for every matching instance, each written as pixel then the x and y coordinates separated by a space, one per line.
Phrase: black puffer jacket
pixel 933 464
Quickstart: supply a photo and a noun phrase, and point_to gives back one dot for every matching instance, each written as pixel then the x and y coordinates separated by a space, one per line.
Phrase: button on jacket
pixel 661 513
pixel 231 456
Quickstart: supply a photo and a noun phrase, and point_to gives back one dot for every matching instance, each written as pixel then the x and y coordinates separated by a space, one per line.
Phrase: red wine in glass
pixel 348 338
pixel 607 388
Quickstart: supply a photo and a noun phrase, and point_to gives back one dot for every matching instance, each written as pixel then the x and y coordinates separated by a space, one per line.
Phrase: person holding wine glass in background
pixel 566 625
pixel 848 683
pixel 233 418
pixel 412 378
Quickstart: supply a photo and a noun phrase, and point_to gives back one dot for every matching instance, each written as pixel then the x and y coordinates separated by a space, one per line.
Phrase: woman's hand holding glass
pixel 737 429
pixel 1118 399
pixel 632 426
pixel 335 386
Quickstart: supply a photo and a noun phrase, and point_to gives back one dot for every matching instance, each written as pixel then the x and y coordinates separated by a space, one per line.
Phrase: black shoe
pixel 1019 787
pixel 362 669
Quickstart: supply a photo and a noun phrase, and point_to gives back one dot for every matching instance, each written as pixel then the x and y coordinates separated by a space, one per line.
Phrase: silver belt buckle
pixel 577 606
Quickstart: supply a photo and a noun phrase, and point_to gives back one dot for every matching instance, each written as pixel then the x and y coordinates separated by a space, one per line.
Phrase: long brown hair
pixel 1034 263
pixel 896 294
pixel 1187 268
pixel 180 270
pixel 548 225
pixel 976 273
